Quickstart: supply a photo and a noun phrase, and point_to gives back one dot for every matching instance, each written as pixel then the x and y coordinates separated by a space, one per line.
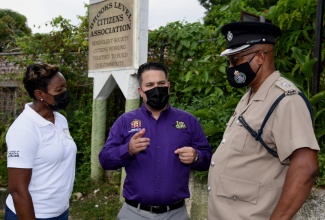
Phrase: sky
pixel 40 12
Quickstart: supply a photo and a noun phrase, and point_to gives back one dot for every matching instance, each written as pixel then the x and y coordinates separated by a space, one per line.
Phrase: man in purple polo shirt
pixel 158 145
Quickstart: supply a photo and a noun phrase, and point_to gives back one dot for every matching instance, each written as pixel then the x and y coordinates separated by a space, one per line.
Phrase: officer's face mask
pixel 241 75
pixel 61 101
pixel 157 97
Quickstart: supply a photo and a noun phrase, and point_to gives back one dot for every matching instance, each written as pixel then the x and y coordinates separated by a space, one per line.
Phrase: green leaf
pixel 202 113
pixel 317 97
pixel 187 89
pixel 225 7
pixel 188 76
pixel 212 130
pixel 307 68
pixel 207 90
pixel 319 113
pixel 186 43
pixel 206 76
pixel 231 103
pixel 298 55
pixel 320 132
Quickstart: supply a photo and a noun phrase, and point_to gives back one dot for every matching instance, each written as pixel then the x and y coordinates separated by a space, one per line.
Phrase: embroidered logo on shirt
pixel 13 153
pixel 180 125
pixel 135 125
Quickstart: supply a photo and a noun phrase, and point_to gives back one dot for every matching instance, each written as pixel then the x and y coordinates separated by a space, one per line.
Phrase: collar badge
pixel 285 84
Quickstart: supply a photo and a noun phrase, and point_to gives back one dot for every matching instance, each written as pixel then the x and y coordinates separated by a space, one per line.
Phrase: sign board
pixel 111 29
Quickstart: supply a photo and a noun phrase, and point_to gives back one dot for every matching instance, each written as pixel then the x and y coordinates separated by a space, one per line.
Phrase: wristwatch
pixel 196 159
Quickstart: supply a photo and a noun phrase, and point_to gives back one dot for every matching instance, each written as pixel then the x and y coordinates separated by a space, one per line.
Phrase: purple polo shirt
pixel 156 176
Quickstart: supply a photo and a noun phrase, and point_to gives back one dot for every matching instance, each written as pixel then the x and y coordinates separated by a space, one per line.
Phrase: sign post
pixel 118 45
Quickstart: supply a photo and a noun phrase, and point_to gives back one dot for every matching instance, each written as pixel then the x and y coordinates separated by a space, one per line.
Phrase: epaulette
pixel 288 87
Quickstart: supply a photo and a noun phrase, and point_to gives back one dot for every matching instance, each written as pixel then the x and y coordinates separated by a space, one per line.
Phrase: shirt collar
pixel 37 118
pixel 266 85
pixel 149 113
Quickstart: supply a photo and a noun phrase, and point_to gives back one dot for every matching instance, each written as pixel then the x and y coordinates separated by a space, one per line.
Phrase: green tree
pixel 12 25
pixel 259 5
pixel 209 4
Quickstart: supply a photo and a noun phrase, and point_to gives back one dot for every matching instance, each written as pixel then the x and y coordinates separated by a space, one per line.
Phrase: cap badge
pixel 229 36
pixel 239 77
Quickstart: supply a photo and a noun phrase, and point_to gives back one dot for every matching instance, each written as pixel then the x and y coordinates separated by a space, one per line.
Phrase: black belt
pixel 155 209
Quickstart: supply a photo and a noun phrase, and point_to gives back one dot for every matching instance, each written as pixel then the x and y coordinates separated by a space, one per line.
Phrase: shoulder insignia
pixel 288 87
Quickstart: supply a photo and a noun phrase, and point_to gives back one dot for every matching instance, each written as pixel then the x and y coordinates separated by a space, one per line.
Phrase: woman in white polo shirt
pixel 41 153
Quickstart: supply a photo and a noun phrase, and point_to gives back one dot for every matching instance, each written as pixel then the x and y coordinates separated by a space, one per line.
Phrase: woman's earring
pixel 42 100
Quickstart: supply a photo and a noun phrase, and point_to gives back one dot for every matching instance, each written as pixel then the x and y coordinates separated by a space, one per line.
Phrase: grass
pixel 100 201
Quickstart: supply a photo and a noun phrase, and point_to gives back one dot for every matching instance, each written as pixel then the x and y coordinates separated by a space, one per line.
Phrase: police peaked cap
pixel 242 35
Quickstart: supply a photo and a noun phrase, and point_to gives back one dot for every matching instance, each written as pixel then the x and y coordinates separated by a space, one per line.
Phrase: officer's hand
pixel 138 143
pixel 186 154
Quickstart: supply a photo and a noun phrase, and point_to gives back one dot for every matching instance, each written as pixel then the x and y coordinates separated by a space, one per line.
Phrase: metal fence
pixel 8 103
pixel 10 91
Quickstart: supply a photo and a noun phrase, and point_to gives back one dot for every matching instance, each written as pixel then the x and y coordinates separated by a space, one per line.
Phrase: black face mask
pixel 157 97
pixel 61 101
pixel 241 75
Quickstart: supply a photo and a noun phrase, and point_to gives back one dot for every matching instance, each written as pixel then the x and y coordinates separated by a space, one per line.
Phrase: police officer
pixel 249 179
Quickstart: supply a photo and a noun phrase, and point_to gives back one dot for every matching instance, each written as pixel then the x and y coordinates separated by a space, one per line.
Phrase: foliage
pixel 259 5
pixel 209 4
pixel 12 25
pixel 231 10
pixel 197 73
pixel 99 201
pixel 3 155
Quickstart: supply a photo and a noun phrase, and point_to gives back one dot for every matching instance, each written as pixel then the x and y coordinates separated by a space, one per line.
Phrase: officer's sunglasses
pixel 233 60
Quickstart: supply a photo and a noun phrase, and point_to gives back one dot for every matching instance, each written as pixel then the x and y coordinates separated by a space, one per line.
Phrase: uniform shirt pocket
pixel 231 120
pixel 238 189
pixel 238 138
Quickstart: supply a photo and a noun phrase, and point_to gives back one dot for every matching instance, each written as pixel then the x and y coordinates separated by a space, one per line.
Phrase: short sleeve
pixel 292 128
pixel 22 148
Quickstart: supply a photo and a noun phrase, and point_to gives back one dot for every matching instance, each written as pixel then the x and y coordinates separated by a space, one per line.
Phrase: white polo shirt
pixel 48 149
